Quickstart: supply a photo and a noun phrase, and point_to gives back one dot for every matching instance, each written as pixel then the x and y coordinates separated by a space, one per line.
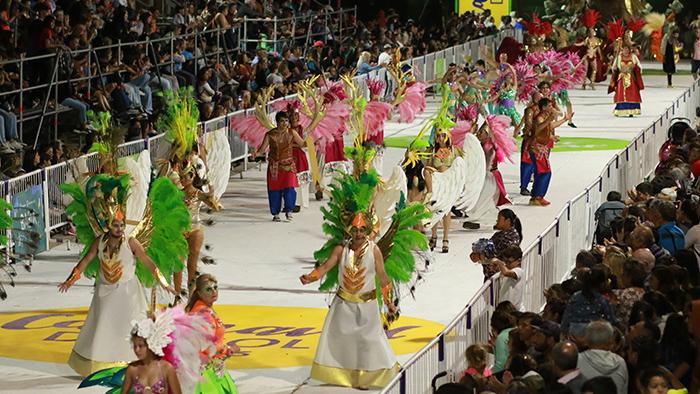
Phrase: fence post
pixel 119 50
pixel 274 34
pixel 47 211
pixel 89 63
pixel 10 246
pixel 245 33
pixel 21 98
pixel 218 44
pixel 55 101
pixel 172 54
pixel 340 25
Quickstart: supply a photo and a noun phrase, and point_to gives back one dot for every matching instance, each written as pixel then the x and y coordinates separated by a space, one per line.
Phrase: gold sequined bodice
pixel 356 273
pixel 115 265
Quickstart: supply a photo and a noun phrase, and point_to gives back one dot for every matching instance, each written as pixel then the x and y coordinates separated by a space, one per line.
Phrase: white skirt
pixel 104 339
pixel 353 349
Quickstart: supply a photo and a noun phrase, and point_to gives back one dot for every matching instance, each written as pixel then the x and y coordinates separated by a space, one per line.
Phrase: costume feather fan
pixel 249 129
pixel 502 139
pixel 413 103
pixel 590 18
pixel 615 29
pixel 179 120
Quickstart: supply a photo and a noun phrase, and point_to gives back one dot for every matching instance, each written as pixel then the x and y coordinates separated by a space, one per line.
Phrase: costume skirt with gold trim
pixel 104 339
pixel 353 349
pixel 627 109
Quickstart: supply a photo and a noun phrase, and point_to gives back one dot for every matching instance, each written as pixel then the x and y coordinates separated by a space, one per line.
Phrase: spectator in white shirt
pixel 385 57
pixel 512 275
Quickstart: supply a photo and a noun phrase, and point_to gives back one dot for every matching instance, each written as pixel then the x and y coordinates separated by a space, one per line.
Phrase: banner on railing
pixel 498 8
pixel 29 221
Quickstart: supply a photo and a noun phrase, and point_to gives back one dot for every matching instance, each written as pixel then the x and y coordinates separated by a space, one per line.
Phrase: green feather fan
pixel 167 246
pixel 112 378
pixel 400 240
pixel 179 120
pixel 78 212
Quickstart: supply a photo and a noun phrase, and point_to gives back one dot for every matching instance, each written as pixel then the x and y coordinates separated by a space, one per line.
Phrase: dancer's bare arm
pixel 80 267
pixel 317 273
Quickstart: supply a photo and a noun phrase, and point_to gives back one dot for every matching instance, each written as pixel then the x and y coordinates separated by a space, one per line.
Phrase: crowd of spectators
pixel 225 70
pixel 627 320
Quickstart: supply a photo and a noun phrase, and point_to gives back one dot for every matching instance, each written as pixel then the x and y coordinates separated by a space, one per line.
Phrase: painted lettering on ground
pixel 269 337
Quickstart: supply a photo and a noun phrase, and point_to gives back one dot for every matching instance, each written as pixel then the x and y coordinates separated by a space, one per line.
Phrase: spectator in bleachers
pixel 605 214
pixel 663 215
pixel 363 64
pixel 588 304
pixel 502 323
pixel 598 360
pixel 206 95
pixel 565 361
pixel 631 289
pixel 9 139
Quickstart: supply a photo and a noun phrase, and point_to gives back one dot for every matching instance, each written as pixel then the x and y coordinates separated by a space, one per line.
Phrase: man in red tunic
pixel 281 171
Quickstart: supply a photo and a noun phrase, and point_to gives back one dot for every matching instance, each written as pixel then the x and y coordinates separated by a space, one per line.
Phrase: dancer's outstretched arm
pixel 317 273
pixel 383 279
pixel 140 253
pixel 80 267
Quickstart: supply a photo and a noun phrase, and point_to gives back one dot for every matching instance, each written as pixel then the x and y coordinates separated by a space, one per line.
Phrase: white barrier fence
pixel 548 260
pixel 46 181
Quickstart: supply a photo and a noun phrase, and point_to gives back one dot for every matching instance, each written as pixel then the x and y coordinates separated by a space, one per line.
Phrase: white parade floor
pixel 259 262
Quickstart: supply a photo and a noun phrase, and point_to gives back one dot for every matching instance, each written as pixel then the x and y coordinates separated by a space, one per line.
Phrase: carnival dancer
pixel 345 346
pixel 353 349
pixel 322 116
pixel 527 167
pixel 215 378
pixel 595 68
pixel 171 347
pixel 333 160
pixel 187 169
pixel 470 105
pixel 446 172
pixel 120 263
pixel 544 88
pixel 568 71
pixel 672 47
pixel 301 163
pixel 281 171
pixel 376 114
pixel 149 372
pixel 479 80
pixel 542 142
pixel 505 98
pixel 627 83
pixel 442 157
pixel 498 145
pixel 409 96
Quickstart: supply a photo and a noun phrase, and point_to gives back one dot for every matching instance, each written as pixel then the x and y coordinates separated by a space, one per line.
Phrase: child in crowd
pixel 512 274
pixel 477 366
pixel 483 252
pixel 606 213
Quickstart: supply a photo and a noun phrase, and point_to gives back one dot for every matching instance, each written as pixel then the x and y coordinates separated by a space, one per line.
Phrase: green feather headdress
pixel 106 142
pixel 179 121
pixel 94 207
pixel 441 123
